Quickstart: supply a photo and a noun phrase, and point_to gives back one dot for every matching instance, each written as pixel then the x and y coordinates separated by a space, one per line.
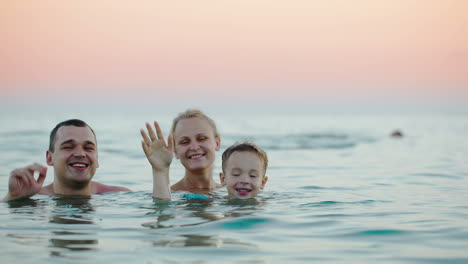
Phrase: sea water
pixel 340 190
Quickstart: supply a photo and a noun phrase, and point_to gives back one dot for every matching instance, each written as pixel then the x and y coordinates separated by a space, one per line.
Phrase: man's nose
pixel 79 152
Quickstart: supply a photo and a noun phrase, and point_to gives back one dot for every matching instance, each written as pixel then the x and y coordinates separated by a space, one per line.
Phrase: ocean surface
pixel 340 190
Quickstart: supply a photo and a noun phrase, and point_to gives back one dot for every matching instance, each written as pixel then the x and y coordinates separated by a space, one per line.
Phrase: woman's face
pixel 195 143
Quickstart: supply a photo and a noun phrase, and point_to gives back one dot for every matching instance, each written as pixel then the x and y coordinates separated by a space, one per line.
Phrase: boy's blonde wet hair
pixel 246 146
pixel 191 113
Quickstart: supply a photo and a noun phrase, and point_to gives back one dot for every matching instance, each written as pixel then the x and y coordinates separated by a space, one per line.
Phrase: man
pixel 74 156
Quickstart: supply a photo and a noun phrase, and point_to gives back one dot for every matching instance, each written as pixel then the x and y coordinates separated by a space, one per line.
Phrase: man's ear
pixel 264 181
pixel 49 159
pixel 218 143
pixel 221 178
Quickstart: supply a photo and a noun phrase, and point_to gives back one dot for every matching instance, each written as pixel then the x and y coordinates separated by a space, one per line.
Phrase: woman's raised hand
pixel 159 153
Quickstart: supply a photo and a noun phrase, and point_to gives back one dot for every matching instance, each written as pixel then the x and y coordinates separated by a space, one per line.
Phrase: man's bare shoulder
pixel 49 189
pixel 97 188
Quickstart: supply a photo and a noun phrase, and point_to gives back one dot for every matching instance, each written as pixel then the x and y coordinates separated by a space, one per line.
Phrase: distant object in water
pixel 396 133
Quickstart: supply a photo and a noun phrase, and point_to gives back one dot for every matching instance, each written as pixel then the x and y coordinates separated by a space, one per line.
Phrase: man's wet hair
pixel 69 122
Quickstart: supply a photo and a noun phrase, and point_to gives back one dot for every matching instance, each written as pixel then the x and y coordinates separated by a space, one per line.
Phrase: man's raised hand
pixel 22 182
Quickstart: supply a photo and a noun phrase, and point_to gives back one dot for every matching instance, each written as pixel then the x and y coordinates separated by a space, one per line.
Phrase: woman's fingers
pixel 159 131
pixel 144 145
pixel 146 139
pixel 151 132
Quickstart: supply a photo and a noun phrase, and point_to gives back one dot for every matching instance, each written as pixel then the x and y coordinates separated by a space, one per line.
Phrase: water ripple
pixel 245 223
pixel 436 175
pixel 331 203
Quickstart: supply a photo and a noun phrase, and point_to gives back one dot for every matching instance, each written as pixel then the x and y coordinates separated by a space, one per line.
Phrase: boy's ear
pixel 50 162
pixel 221 178
pixel 264 181
pixel 218 143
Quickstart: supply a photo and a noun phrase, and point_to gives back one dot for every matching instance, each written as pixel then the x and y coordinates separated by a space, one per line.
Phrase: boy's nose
pixel 244 180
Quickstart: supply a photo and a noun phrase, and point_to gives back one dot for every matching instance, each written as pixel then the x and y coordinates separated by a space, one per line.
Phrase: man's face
pixel 75 156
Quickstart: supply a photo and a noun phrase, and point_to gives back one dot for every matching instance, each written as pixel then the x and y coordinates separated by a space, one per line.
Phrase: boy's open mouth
pixel 243 191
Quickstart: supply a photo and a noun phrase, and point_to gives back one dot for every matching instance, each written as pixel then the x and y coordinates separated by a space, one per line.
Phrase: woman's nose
pixel 194 146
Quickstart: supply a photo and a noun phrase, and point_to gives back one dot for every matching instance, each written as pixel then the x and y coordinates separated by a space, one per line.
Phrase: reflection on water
pixel 201 213
pixel 25 211
pixel 67 219
pixel 194 240
pixel 70 213
pixel 195 213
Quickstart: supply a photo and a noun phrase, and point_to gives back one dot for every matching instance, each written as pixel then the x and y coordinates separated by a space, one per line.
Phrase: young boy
pixel 244 170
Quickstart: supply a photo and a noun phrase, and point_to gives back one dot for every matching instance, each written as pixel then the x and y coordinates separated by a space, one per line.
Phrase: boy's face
pixel 243 175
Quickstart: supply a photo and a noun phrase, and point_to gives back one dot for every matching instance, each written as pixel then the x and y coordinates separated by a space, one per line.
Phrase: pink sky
pixel 343 50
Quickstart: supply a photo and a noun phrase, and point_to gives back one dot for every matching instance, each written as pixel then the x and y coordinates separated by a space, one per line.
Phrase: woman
pixel 194 140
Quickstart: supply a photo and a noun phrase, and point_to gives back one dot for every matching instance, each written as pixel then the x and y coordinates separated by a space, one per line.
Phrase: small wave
pixel 305 141
pixel 333 215
pixel 377 232
pixel 312 187
pixel 331 203
pixel 434 260
pixel 112 150
pixel 315 187
pixel 436 175
pixel 19 133
pixel 245 223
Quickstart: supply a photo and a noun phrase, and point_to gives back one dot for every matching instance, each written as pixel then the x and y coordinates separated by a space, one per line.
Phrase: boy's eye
pixel 202 138
pixel 253 176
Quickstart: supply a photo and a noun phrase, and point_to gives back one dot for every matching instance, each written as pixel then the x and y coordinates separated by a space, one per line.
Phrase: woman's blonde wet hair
pixel 191 113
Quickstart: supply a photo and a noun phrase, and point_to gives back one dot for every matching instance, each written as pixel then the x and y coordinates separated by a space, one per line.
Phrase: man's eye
pixel 66 147
pixel 89 148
